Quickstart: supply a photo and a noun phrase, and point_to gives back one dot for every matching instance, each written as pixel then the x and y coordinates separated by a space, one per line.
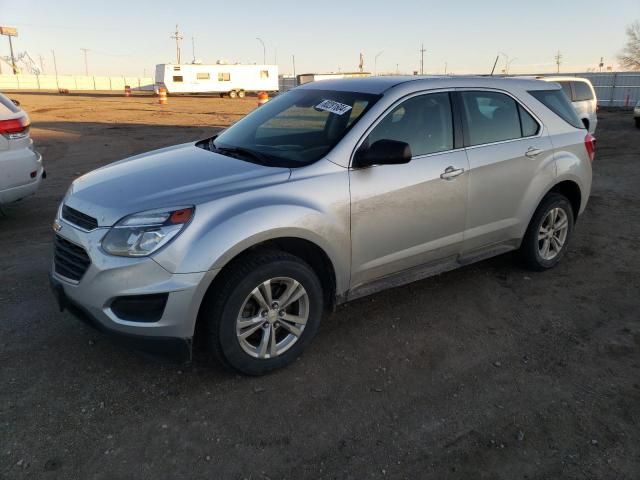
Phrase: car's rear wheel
pixel 548 234
pixel 264 312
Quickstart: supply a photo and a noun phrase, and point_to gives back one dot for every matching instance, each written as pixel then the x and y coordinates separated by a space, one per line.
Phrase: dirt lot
pixel 486 372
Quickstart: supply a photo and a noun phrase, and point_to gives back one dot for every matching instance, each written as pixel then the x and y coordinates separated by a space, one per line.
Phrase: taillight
pixel 15 127
pixel 590 144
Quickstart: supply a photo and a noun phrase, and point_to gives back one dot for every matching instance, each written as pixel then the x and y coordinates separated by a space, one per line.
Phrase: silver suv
pixel 329 192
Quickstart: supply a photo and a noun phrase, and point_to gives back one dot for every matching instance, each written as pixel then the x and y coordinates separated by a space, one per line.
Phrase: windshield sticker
pixel 333 107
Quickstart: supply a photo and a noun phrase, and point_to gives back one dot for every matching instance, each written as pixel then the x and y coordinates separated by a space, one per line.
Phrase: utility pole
pixel 445 68
pixel 55 67
pixel 375 62
pixel 601 64
pixel 422 50
pixel 177 37
pixel 558 58
pixel 41 64
pixel 295 79
pixel 86 64
pixel 264 51
pixel 193 49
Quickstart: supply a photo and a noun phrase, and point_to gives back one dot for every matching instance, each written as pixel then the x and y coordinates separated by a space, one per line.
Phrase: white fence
pixel 73 82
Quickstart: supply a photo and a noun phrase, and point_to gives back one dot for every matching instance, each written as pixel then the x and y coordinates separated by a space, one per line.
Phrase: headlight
pixel 143 233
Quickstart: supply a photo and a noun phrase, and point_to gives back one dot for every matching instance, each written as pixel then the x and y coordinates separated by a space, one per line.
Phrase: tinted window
pixel 529 126
pixel 6 104
pixel 490 117
pixel 582 92
pixel 424 122
pixel 558 103
pixel 566 88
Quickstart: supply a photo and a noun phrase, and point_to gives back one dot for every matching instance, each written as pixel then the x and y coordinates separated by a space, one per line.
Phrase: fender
pixel 314 208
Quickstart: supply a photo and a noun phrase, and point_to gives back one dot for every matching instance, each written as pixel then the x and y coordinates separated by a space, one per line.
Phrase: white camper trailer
pixel 234 80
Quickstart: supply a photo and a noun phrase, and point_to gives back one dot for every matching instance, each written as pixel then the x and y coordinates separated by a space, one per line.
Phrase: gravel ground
pixel 489 371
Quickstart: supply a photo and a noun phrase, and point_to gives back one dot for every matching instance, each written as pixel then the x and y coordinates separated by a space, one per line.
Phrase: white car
pixel 583 97
pixel 21 169
pixel 636 114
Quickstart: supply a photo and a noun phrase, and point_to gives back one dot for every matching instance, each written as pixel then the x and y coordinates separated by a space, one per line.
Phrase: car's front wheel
pixel 548 233
pixel 265 310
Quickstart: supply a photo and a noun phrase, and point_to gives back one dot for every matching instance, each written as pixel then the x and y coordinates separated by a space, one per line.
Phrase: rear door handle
pixel 450 173
pixel 533 152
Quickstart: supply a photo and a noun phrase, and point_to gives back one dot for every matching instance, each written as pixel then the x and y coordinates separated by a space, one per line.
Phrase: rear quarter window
pixel 581 92
pixel 7 106
pixel 558 103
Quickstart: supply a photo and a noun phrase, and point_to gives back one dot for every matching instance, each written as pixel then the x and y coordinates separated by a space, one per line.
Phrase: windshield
pixel 294 129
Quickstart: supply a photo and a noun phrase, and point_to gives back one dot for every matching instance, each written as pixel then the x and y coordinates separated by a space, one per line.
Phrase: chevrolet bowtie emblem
pixel 56 226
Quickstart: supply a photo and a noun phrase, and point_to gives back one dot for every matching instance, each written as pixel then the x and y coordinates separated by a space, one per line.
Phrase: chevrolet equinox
pixel 331 191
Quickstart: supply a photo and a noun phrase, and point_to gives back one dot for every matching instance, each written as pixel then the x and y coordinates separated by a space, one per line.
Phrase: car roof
pixel 379 85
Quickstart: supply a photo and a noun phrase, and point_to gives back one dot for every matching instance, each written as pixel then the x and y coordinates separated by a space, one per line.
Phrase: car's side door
pixel 510 163
pixel 410 214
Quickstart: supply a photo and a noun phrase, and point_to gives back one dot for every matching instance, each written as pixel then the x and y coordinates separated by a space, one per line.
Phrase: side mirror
pixel 383 152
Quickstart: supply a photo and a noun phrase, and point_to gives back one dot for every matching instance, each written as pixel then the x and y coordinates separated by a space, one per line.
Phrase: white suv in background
pixel 21 167
pixel 583 97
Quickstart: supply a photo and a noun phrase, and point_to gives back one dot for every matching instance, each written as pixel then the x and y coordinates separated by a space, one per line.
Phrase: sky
pixel 130 38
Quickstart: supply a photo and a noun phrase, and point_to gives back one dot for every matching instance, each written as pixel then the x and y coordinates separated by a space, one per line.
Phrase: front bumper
pixel 108 278
pixel 176 348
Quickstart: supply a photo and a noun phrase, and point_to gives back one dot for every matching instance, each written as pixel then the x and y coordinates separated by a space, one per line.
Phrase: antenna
pixel 494 65
pixel 177 37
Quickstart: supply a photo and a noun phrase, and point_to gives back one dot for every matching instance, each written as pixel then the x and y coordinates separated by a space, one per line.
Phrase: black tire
pixel 222 306
pixel 530 248
pixel 637 122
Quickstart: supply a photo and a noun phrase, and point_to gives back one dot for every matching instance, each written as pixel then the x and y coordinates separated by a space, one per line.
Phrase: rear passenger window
pixel 529 126
pixel 424 122
pixel 490 117
pixel 582 92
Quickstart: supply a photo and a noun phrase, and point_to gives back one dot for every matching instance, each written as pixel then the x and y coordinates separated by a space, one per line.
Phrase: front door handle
pixel 450 173
pixel 533 152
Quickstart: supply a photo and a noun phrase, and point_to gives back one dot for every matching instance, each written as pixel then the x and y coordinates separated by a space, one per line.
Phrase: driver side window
pixel 424 122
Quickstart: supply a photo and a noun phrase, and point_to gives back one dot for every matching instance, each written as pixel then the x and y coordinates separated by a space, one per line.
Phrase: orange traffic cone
pixel 263 97
pixel 162 96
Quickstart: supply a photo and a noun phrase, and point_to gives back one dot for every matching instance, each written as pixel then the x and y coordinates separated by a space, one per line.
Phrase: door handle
pixel 450 173
pixel 533 152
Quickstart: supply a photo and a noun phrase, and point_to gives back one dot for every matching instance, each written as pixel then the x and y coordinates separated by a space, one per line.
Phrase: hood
pixel 170 177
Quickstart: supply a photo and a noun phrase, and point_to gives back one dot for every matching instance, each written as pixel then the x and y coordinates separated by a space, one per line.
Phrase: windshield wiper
pixel 242 152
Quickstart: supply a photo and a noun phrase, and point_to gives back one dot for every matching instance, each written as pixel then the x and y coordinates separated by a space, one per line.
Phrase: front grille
pixel 80 219
pixel 70 260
